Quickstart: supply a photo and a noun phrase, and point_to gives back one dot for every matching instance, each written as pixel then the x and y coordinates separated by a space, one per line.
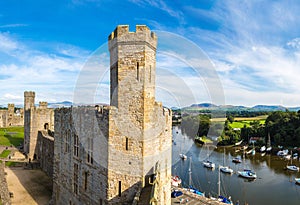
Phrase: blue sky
pixel 254 47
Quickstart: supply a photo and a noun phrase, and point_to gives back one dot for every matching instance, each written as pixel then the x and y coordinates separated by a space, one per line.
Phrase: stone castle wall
pixel 105 155
pixel 140 128
pixel 90 126
pixel 45 151
pixel 36 119
pixel 10 118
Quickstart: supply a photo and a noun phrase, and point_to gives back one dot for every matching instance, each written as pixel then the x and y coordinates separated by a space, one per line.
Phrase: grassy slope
pixel 240 124
pixel 11 136
pixel 5 153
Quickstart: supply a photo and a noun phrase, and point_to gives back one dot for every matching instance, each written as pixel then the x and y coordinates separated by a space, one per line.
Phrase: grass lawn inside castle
pixel 11 136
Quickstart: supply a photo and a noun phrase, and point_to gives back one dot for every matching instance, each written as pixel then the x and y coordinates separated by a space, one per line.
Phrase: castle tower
pixel 29 98
pixel 11 108
pixel 10 114
pixel 137 123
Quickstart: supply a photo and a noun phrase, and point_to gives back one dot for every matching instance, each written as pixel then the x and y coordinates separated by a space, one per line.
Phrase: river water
pixel 274 184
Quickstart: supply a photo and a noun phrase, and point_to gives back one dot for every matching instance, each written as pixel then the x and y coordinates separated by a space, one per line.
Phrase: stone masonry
pixel 10 118
pixel 36 119
pixel 107 154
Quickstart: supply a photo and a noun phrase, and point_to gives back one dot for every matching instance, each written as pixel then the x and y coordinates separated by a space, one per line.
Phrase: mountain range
pixel 210 106
pixel 201 106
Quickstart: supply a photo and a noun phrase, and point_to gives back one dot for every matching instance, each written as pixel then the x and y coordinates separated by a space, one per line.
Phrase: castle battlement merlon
pixel 29 94
pixel 10 105
pixel 43 105
pixel 142 34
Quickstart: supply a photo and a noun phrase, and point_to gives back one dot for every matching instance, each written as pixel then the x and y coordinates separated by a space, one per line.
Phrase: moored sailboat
pixel 225 169
pixel 220 197
pixel 292 167
pixel 247 173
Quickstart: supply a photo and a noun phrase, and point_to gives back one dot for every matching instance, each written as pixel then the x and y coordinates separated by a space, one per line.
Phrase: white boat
pixel 220 197
pixel 282 153
pixel 226 170
pixel 236 160
pixel 248 152
pixel 183 156
pixel 209 164
pixel 292 168
pixel 269 149
pixel 297 180
pixel 191 188
pixel 176 181
pixel 247 173
pixel 238 143
pixel 263 148
pixel 295 156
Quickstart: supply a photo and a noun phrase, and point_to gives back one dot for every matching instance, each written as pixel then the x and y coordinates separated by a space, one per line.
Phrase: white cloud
pixel 6 43
pixel 254 50
pixel 162 5
pixel 13 25
pixel 49 74
pixel 294 43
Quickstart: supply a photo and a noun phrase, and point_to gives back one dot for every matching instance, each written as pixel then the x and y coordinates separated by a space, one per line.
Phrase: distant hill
pixel 203 105
pixel 60 104
pixel 269 107
pixel 210 106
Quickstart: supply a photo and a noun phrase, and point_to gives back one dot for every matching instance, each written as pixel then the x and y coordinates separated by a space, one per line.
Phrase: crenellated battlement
pixel 43 104
pixel 10 105
pixel 124 29
pixel 29 94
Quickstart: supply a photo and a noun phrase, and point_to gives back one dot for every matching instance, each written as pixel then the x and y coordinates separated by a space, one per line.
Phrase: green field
pixel 11 136
pixel 240 124
pixel 5 153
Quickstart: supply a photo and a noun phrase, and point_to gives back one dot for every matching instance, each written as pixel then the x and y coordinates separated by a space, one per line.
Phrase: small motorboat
pixel 183 156
pixel 236 160
pixel 209 164
pixel 226 169
pixel 297 180
pixel 292 168
pixel 247 173
pixel 176 181
pixel 263 148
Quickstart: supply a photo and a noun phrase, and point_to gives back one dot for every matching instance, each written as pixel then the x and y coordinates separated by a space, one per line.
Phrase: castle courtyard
pixel 28 186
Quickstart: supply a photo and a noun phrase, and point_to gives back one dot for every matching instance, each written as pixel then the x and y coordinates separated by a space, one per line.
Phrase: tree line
pixel 283 128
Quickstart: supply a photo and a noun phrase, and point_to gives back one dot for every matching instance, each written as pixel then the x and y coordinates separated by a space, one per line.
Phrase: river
pixel 274 185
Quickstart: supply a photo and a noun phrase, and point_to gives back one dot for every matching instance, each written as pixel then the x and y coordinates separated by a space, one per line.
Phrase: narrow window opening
pixel 46 126
pixel 120 188
pixel 126 145
pixel 137 71
pixel 90 151
pixel 85 180
pixel 76 146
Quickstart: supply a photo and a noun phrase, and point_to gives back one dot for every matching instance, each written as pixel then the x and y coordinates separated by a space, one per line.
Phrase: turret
pixel 29 97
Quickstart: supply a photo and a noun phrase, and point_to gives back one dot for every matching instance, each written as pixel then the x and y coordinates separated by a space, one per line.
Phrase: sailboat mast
pixel 224 157
pixel 190 172
pixel 219 183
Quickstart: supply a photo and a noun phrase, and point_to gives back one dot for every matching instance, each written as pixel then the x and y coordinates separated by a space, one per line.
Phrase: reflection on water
pixel 274 184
